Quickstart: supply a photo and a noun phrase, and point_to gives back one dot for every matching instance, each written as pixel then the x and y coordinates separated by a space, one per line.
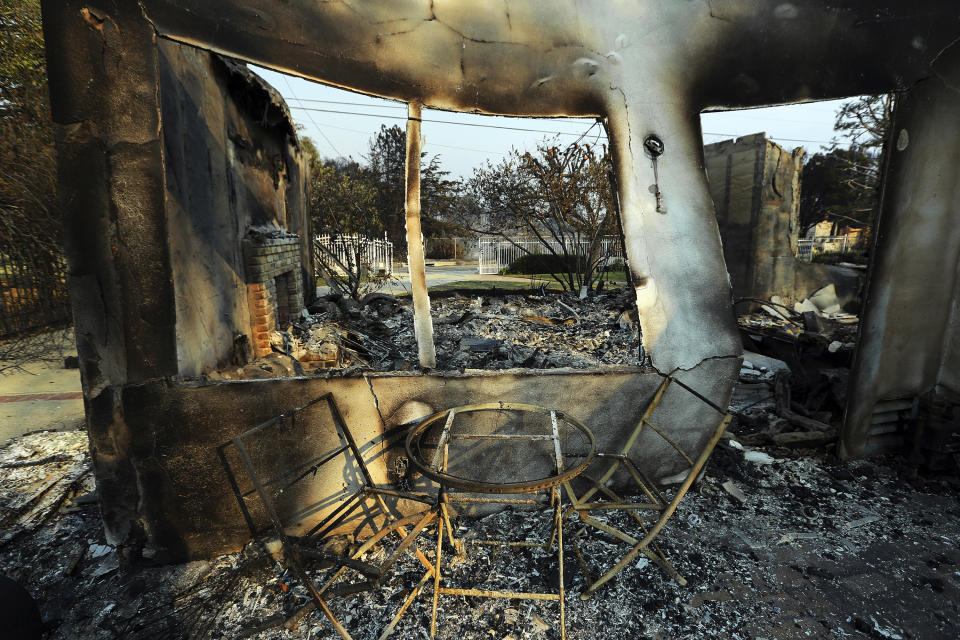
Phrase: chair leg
pixel 406 604
pixel 558 523
pixel 436 580
pixel 641 547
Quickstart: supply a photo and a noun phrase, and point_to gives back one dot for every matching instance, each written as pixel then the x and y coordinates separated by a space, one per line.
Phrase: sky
pixel 341 124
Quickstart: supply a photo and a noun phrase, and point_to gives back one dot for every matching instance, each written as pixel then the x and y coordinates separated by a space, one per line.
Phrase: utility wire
pixel 319 130
pixel 403 105
pixel 572 120
pixel 428 144
pixel 525 129
pixel 462 124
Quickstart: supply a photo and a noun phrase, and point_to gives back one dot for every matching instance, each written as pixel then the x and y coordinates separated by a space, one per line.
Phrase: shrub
pixel 542 263
pixel 834 257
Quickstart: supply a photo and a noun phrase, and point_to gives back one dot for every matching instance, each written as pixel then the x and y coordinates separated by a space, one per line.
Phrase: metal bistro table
pixel 501 437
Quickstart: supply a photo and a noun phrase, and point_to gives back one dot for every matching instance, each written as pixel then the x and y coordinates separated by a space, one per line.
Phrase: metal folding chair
pixel 651 515
pixel 288 490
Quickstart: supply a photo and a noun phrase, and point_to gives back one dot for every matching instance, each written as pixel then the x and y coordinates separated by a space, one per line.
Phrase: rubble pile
pixel 773 544
pixel 793 384
pixel 818 322
pixel 470 332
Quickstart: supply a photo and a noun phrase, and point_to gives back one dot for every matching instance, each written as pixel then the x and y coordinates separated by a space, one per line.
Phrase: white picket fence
pixel 497 253
pixel 376 255
pixel 809 247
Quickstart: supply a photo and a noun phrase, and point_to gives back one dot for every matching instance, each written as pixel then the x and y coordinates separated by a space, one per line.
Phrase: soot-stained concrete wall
pixel 908 341
pixel 755 185
pixel 170 495
pixel 167 155
pixel 231 161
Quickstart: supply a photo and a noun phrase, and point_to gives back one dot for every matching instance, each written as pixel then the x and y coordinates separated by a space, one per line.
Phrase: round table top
pixel 432 468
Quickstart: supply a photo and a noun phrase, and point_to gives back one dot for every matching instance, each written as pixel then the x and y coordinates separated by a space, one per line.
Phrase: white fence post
pixel 376 254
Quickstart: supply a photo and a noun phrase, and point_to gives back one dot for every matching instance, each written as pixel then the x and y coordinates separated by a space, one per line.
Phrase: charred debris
pixel 777 538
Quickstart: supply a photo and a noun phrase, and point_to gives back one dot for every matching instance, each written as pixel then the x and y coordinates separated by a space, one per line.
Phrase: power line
pixel 319 130
pixel 462 124
pixel 403 105
pixel 429 144
pixel 506 128
pixel 525 129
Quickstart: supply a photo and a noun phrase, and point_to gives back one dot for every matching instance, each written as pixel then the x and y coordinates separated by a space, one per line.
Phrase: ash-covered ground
pixel 775 543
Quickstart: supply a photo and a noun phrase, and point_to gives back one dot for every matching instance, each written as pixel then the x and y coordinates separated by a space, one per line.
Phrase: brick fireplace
pixel 274 287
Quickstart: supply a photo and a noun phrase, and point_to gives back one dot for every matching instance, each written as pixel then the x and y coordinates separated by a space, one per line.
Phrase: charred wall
pixel 174 500
pixel 755 186
pixel 908 343
pixel 231 162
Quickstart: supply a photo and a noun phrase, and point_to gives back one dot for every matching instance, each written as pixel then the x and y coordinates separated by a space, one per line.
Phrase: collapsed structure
pixel 755 186
pixel 164 288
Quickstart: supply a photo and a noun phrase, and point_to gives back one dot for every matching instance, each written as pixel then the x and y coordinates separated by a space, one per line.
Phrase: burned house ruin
pixel 755 186
pixel 183 194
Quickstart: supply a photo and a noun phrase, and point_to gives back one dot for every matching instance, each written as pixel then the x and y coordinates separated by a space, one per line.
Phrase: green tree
pixel 439 195
pixel 866 121
pixel 27 165
pixel 839 186
pixel 843 184
pixel 30 243
pixel 343 208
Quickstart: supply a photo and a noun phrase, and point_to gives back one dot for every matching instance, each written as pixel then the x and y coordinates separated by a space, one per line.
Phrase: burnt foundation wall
pixel 168 495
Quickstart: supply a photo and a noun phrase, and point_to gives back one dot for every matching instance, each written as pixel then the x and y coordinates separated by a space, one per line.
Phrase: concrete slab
pixel 44 396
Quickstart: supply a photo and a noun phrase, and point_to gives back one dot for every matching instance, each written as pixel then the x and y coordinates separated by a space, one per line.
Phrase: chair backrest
pixel 300 472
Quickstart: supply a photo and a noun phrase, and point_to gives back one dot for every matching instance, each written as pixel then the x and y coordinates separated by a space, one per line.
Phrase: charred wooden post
pixel 423 323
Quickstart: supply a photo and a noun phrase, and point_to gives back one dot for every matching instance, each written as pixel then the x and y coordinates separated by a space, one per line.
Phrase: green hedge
pixel 542 263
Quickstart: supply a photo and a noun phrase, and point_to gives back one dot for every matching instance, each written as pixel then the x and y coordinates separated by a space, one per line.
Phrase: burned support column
pixel 672 241
pixel 423 324
pixel 103 71
pixel 908 346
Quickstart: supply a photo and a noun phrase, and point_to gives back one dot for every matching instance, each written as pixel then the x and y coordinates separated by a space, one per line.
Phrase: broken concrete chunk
pixel 762 362
pixel 758 457
pixel 826 300
pixel 805 307
pixel 734 490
